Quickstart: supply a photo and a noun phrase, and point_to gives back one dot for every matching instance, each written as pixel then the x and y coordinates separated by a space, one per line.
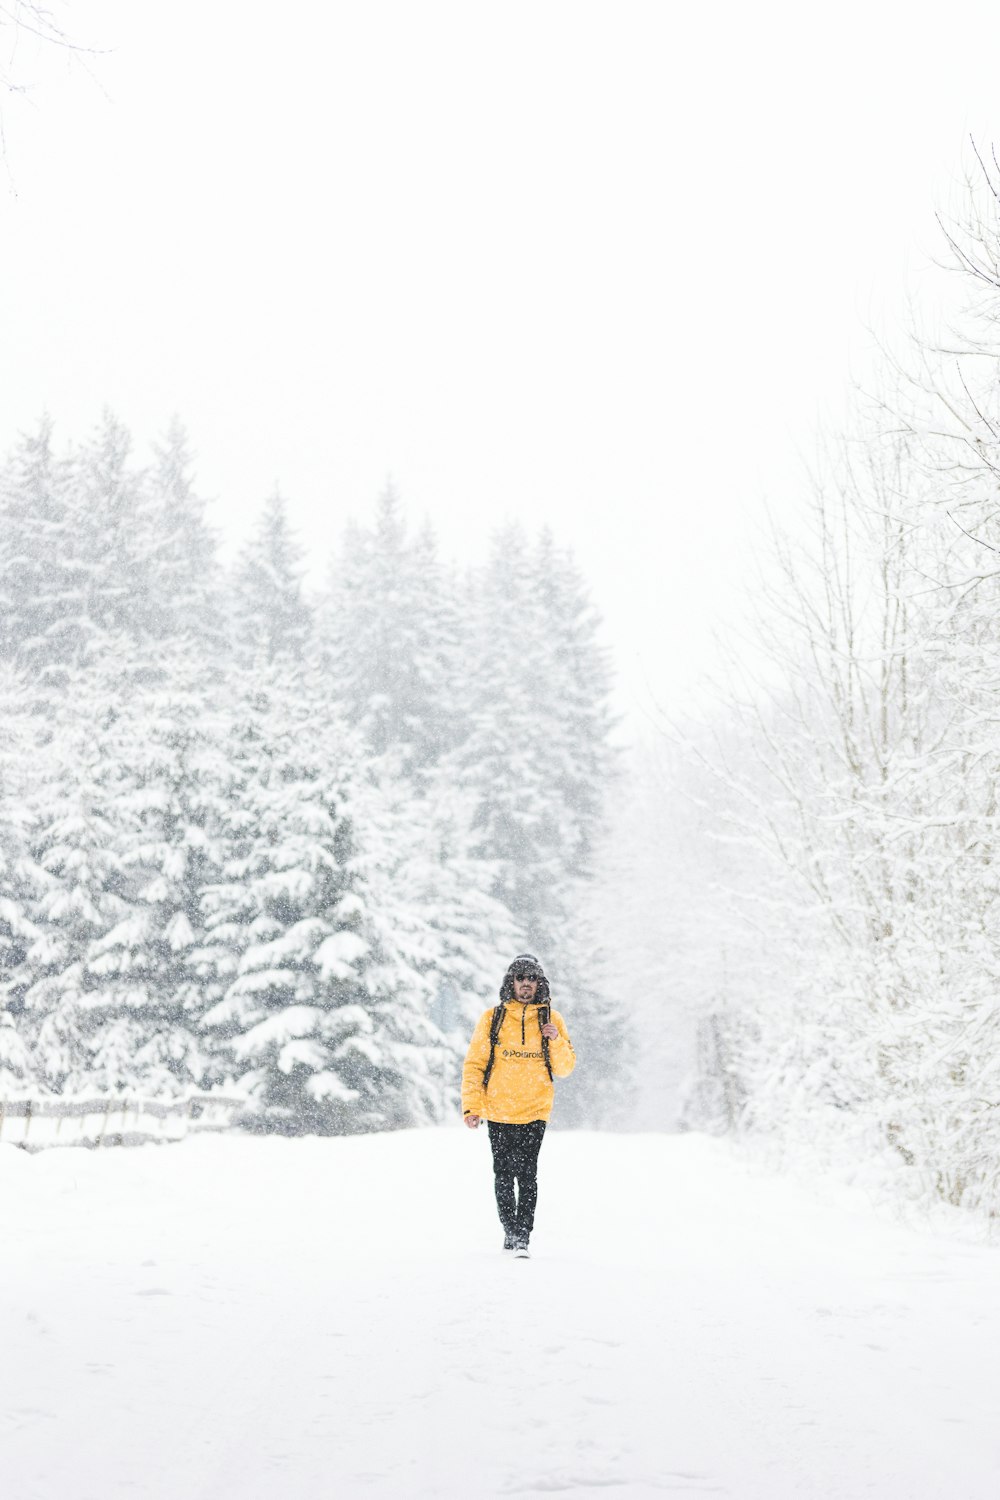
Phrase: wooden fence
pixel 87 1121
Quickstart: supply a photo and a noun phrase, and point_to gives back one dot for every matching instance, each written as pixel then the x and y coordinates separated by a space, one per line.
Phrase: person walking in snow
pixel 517 1049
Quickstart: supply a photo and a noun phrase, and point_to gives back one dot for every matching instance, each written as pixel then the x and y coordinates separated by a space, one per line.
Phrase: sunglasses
pixel 525 975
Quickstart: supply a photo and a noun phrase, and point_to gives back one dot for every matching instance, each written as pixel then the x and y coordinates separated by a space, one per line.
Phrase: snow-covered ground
pixel 238 1319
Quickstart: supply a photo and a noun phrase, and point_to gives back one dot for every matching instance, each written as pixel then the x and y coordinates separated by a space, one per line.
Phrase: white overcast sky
pixel 605 266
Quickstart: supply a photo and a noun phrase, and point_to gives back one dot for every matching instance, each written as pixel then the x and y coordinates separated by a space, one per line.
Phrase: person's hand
pixel 550 1030
pixel 472 1121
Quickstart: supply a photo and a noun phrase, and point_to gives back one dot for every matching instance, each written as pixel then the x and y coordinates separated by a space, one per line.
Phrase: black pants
pixel 515 1155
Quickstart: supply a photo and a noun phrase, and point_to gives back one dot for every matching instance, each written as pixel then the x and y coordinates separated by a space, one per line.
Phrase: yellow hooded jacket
pixel 520 1089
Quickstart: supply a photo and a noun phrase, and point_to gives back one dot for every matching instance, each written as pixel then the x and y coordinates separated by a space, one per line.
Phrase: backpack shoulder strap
pixel 544 1017
pixel 495 1024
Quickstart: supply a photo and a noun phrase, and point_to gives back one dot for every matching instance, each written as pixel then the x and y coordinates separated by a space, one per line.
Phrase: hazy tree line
pixel 256 836
pixel 850 781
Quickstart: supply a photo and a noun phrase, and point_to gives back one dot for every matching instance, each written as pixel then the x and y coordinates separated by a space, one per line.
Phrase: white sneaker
pixel 521 1251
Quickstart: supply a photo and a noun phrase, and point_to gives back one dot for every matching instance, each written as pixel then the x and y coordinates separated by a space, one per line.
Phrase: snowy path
pixel 267 1320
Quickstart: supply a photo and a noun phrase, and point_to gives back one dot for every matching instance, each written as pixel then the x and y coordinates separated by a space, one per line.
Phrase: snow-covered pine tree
pixel 73 837
pixel 166 746
pixel 93 548
pixel 438 711
pixel 187 585
pixel 112 542
pixel 579 679
pixel 290 927
pixel 502 765
pixel 391 636
pixel 271 618
pixel 39 584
